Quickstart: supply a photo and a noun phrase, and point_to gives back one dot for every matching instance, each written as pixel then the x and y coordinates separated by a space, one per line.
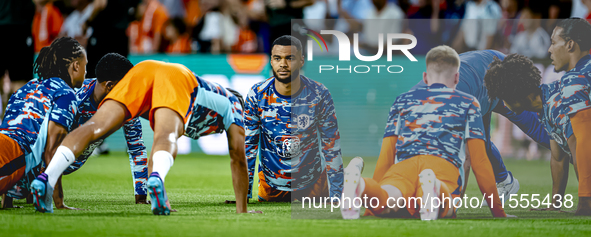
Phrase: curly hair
pixel 54 60
pixel 513 78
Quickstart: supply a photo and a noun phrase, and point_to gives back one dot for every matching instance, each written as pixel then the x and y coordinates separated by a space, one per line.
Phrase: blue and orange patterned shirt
pixel 37 100
pixel 138 157
pixel 213 110
pixel 575 86
pixel 27 117
pixel 554 115
pixel 434 120
pixel 292 134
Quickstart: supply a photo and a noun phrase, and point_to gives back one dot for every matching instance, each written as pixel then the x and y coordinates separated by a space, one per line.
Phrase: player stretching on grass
pixel 110 69
pixel 423 148
pixel 473 66
pixel 39 115
pixel 292 119
pixel 564 105
pixel 176 102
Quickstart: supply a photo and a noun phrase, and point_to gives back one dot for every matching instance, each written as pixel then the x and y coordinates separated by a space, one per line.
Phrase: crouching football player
pixel 288 116
pixel 564 104
pixel 39 115
pixel 176 102
pixel 423 149
pixel 109 71
pixel 516 81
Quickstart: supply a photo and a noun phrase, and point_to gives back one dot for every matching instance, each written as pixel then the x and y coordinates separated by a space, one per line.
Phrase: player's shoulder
pixel 86 89
pixel 314 86
pixel 57 87
pixel 481 56
pixel 260 87
pixel 573 77
pixel 584 67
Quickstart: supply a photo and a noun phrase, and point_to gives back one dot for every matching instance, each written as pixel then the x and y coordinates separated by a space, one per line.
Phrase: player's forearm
pixel 57 133
pixel 138 163
pixel 251 159
pixel 559 168
pixel 528 122
pixel 239 179
pixel 484 175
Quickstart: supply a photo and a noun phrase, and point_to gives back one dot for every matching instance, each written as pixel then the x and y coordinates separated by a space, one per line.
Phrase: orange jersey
pixel 181 45
pixel 46 26
pixel 153 84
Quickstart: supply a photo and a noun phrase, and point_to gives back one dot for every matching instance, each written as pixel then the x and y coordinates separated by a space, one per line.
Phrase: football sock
pixel 62 158
pixel 581 123
pixel 162 161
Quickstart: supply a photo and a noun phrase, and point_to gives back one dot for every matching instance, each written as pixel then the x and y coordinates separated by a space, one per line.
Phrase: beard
pixel 286 80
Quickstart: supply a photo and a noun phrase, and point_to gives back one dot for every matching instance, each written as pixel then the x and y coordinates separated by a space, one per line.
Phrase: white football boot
pixel 352 207
pixel 431 186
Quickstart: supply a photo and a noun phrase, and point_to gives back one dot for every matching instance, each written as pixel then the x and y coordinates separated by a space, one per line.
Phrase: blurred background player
pixel 175 32
pixel 109 71
pixel 291 120
pixel 423 148
pixel 516 81
pixel 109 21
pixel 16 17
pixel 47 23
pixel 173 111
pixel 569 52
pixel 473 67
pixel 40 114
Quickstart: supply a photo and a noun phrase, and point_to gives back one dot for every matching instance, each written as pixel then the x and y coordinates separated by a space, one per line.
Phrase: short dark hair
pixel 54 60
pixel 288 40
pixel 112 67
pixel 578 30
pixel 238 95
pixel 513 78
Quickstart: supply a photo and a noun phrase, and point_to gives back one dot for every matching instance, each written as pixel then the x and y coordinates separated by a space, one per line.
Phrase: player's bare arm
pixel 57 133
pixel 559 166
pixel 238 166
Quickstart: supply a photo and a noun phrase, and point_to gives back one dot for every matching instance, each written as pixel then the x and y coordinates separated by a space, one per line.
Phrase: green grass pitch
pixel 198 185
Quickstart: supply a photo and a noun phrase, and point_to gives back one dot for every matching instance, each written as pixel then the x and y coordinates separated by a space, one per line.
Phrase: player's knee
pixel 165 138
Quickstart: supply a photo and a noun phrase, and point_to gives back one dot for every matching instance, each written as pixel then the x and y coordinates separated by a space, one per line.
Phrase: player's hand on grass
pixel 64 207
pixel 141 199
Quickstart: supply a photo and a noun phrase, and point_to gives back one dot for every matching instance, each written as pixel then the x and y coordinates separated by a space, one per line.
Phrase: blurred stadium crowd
pixel 250 26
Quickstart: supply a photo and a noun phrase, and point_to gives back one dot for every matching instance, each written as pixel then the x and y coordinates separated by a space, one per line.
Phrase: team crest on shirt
pixel 288 146
pixel 304 121
pixel 557 138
